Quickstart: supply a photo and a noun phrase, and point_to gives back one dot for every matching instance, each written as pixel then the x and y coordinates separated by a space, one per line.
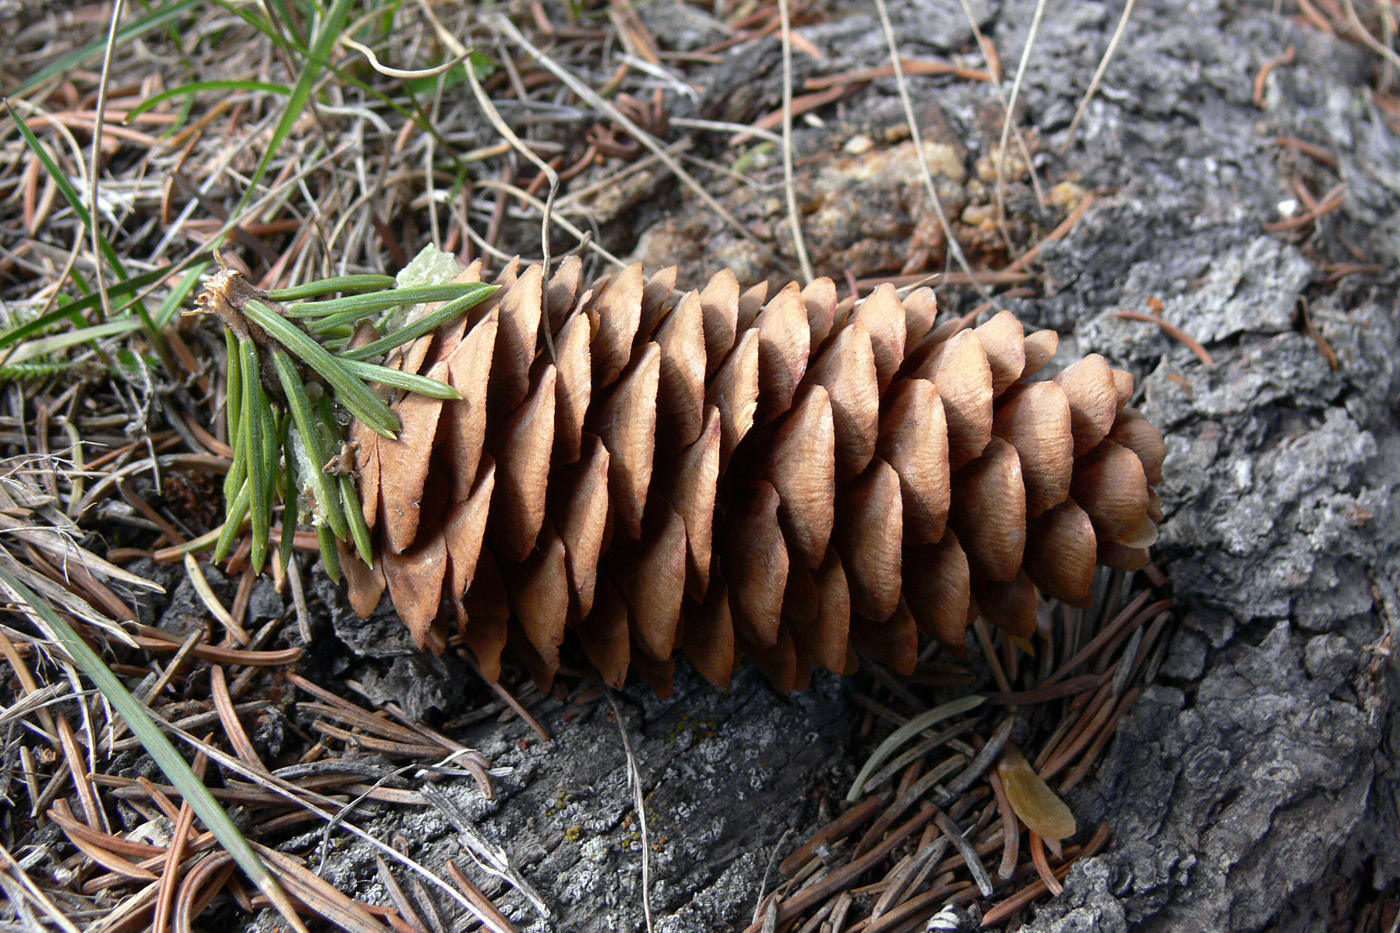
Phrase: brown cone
pixel 789 476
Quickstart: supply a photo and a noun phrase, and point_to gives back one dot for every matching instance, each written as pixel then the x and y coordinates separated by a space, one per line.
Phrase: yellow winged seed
pixel 1035 803
pixel 789 477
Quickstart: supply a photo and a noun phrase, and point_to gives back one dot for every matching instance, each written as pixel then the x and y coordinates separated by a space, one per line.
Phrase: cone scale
pixel 786 477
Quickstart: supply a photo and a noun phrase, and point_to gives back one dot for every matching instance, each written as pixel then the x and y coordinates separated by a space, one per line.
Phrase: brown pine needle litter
pixel 123 175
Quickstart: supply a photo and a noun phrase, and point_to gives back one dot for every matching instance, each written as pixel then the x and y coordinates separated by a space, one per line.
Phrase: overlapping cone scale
pixel 723 472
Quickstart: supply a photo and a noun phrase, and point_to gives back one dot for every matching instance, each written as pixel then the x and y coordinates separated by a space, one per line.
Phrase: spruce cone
pixel 789 477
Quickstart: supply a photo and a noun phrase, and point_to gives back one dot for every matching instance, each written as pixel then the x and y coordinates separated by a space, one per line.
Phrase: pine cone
pixel 789 477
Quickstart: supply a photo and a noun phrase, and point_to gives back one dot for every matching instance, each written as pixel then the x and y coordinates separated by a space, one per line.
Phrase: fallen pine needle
pixel 1172 331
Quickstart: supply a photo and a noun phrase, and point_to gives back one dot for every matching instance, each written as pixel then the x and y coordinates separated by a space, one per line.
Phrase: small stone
pixel 859 144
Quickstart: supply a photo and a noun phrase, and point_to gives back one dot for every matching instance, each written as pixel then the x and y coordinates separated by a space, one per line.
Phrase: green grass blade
pixel 273 435
pixel 349 390
pixel 75 201
pixel 175 301
pixel 355 515
pixel 254 424
pixel 325 38
pixel 330 557
pixel 233 482
pixel 233 411
pixel 47 345
pixel 388 298
pixel 233 522
pixel 343 283
pixel 290 513
pixel 371 372
pixel 425 324
pixel 322 486
pixel 139 721
pixel 65 188
pixel 199 87
pixel 79 305
pixel 288 21
pixel 233 405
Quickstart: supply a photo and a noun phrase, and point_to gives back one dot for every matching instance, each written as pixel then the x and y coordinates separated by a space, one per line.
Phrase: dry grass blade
pixel 139 721
pixel 1099 72
pixel 954 246
pixel 593 99
pixel 799 242
pixel 20 889
pixel 1010 115
pixel 634 780
pixel 98 122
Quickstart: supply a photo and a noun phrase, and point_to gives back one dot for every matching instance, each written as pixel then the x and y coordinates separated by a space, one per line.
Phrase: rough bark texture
pixel 1253 786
